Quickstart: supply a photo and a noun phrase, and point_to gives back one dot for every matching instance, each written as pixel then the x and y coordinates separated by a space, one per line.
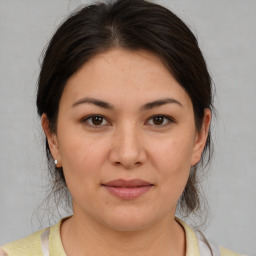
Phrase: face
pixel 126 139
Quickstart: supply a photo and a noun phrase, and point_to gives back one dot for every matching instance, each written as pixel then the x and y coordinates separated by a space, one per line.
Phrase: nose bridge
pixel 127 149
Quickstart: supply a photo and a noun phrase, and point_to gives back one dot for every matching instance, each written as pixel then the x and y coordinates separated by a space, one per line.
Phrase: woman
pixel 125 102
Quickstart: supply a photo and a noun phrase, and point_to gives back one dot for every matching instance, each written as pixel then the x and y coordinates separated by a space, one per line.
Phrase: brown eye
pixel 160 120
pixel 95 121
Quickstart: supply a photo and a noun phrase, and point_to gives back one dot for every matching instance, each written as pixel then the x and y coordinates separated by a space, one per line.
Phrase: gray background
pixel 227 35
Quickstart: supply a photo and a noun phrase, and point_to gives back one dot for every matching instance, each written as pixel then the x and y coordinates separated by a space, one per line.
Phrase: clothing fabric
pixel 47 242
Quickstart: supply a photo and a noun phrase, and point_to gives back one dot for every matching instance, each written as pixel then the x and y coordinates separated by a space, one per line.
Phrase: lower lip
pixel 128 193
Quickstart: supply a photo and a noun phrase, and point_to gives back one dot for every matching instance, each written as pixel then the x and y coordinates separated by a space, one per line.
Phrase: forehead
pixel 121 76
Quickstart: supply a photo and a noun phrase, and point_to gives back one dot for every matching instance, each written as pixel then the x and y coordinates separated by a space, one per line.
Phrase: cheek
pixel 173 154
pixel 172 160
pixel 82 158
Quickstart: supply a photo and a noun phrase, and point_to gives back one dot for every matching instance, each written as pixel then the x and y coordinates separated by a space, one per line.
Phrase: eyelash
pixel 85 120
pixel 167 119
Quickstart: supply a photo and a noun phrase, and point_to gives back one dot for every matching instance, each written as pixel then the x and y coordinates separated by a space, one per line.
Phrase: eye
pixel 95 120
pixel 160 120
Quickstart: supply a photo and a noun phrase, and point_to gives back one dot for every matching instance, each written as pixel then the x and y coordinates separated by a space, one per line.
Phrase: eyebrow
pixel 147 106
pixel 160 102
pixel 96 102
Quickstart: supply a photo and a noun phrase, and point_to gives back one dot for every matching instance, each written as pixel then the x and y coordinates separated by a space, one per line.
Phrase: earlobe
pixel 201 138
pixel 51 138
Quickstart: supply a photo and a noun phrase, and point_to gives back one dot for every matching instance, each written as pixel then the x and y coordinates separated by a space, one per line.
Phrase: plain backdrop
pixel 226 30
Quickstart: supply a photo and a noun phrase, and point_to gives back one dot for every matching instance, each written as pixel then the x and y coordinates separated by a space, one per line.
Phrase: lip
pixel 128 189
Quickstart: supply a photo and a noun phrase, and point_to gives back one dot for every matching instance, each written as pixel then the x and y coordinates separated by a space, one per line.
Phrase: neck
pixel 81 236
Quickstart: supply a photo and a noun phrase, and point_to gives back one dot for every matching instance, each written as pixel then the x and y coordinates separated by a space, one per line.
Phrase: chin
pixel 128 226
pixel 128 221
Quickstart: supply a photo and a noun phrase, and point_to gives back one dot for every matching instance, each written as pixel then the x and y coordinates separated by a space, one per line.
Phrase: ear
pixel 51 138
pixel 201 137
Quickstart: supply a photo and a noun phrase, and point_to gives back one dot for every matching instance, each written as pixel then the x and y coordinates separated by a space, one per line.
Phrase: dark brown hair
pixel 132 25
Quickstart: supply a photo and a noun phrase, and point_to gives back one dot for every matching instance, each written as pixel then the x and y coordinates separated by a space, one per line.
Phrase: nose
pixel 127 149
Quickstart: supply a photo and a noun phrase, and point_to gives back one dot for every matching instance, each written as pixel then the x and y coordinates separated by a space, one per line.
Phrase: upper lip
pixel 127 183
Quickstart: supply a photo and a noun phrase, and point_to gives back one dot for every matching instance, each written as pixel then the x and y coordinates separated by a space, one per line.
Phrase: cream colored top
pixel 47 242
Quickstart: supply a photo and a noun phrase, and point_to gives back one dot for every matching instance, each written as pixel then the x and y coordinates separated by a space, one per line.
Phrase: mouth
pixel 127 189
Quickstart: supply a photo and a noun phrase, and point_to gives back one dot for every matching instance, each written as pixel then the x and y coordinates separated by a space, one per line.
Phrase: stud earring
pixel 56 162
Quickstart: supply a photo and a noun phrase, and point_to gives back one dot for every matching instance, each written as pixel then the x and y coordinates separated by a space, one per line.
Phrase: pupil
pixel 158 120
pixel 97 120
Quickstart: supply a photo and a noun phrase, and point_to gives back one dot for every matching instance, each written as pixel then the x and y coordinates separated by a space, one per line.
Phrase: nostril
pixel 128 166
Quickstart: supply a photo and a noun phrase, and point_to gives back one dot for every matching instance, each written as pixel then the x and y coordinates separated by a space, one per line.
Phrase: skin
pixel 128 144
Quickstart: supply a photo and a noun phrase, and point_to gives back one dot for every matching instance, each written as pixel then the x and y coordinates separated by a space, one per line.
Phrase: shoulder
pixel 227 252
pixel 197 243
pixel 43 242
pixel 28 246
